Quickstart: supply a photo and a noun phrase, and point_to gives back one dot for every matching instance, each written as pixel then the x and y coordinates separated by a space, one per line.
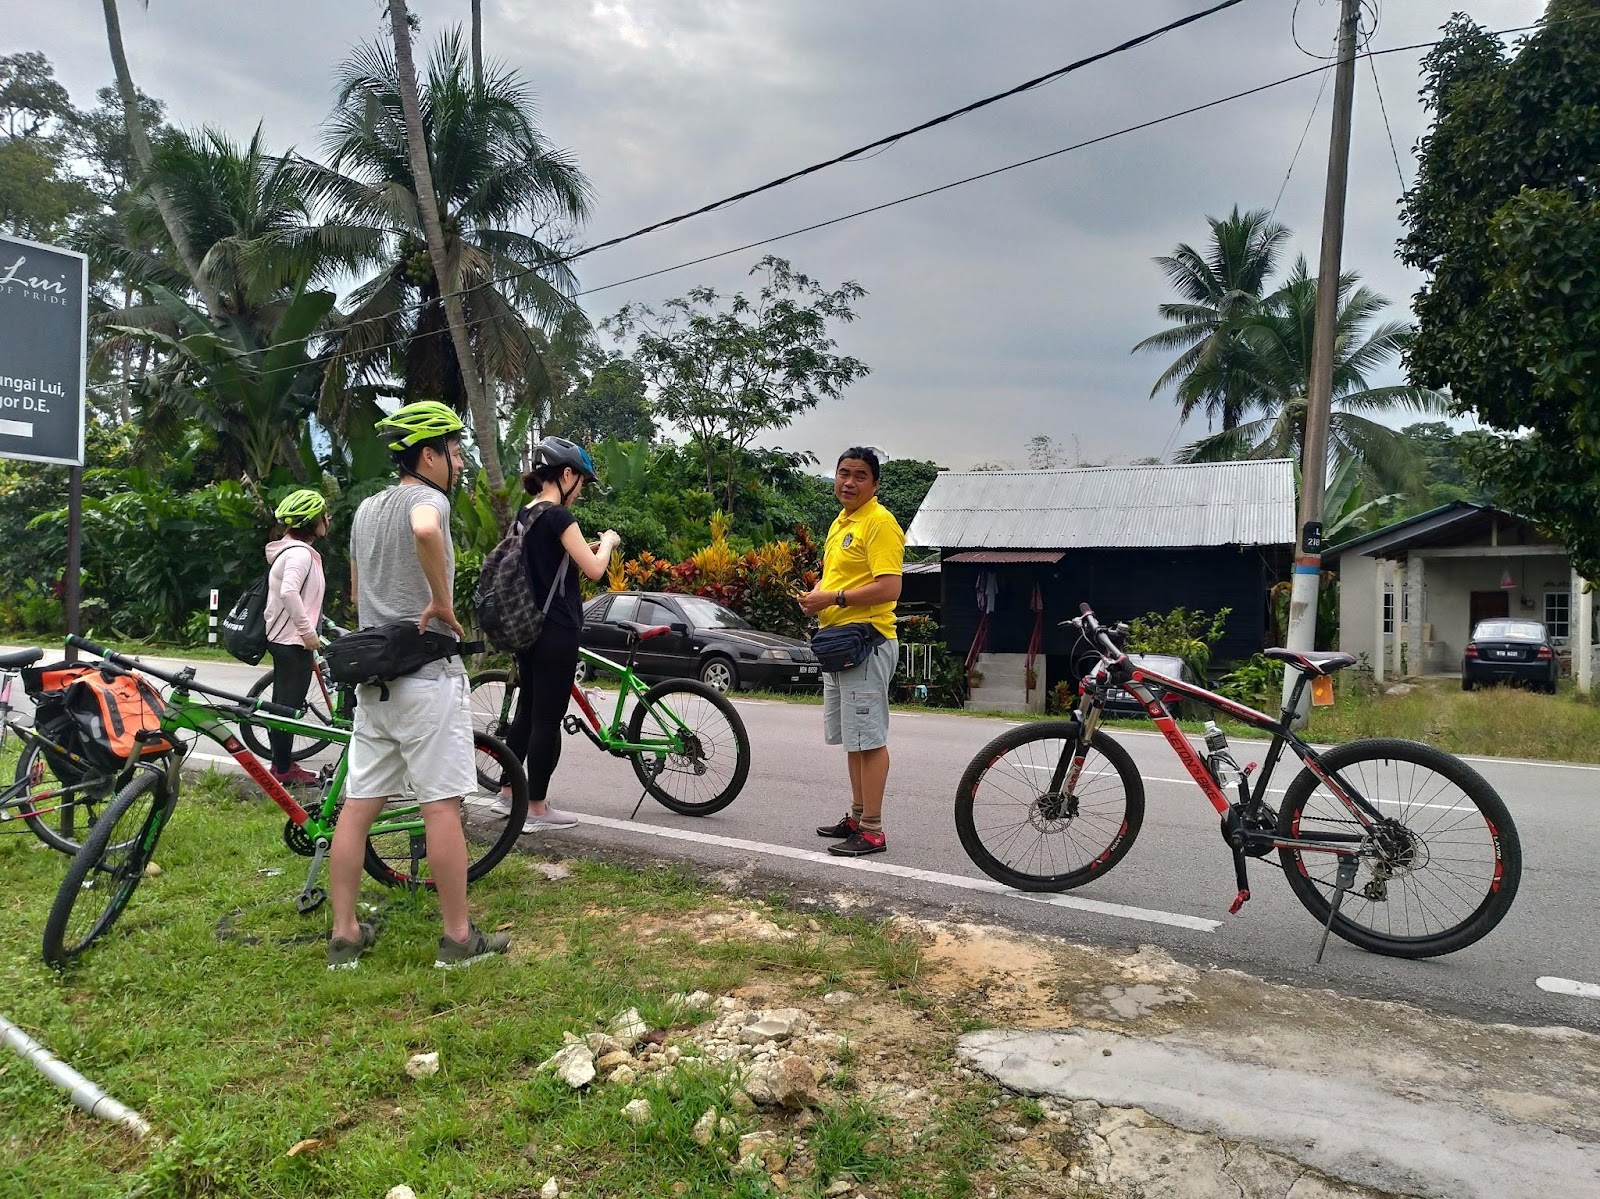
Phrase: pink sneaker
pixel 295 776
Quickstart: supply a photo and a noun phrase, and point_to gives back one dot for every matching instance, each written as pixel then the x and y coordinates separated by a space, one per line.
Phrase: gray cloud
pixel 997 310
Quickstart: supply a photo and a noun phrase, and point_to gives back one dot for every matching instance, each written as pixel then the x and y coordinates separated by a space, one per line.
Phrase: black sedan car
pixel 708 642
pixel 1510 651
pixel 1120 703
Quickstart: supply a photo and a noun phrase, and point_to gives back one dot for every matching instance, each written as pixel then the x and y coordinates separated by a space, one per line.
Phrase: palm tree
pixel 1218 288
pixel 485 169
pixel 1275 360
pixel 246 216
pixel 141 149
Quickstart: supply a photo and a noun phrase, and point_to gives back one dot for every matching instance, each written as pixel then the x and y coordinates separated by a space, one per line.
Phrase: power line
pixel 955 183
pixel 1384 109
pixel 890 139
pixel 1300 145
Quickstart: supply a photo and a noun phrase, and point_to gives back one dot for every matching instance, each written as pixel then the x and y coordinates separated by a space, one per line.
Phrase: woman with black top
pixel 553 544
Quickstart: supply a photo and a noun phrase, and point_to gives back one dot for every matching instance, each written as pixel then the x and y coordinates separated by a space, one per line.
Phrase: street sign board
pixel 44 325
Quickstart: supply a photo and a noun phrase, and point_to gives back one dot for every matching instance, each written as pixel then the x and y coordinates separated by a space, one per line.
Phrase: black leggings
pixel 291 680
pixel 544 685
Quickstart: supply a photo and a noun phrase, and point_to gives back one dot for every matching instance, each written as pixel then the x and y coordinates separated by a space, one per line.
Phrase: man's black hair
pixel 863 454
pixel 409 457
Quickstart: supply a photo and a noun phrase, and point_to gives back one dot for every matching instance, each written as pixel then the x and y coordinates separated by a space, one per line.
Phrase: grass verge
pixel 208 1009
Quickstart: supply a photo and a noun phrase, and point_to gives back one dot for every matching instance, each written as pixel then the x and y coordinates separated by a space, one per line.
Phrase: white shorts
pixel 418 742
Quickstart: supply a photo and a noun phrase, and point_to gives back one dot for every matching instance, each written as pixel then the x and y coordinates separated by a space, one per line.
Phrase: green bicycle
pixel 105 873
pixel 687 743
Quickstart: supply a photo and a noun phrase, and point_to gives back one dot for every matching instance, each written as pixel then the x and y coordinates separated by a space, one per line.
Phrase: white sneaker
pixel 500 807
pixel 551 820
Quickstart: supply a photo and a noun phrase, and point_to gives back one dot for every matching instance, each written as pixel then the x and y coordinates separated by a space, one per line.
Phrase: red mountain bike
pixel 1395 846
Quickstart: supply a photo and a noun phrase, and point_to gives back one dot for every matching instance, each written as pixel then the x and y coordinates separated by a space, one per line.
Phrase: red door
pixel 1488 605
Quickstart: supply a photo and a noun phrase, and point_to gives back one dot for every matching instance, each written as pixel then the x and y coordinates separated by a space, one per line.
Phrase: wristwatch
pixel 840 600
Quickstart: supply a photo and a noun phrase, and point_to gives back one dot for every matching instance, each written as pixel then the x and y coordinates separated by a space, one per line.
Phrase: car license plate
pixel 1505 653
pixel 808 670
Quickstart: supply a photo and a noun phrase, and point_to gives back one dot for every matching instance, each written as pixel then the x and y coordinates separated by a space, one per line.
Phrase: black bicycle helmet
pixel 558 452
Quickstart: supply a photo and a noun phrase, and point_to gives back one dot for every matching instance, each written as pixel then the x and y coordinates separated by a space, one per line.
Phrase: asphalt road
pixel 1172 890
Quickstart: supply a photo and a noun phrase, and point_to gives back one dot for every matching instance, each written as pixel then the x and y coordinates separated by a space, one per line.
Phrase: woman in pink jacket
pixel 295 588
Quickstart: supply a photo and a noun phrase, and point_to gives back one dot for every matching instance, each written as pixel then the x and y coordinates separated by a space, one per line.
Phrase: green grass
pixel 208 1009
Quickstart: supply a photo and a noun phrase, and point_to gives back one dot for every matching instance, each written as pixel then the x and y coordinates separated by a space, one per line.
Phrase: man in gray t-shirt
pixel 390 581
pixel 413 737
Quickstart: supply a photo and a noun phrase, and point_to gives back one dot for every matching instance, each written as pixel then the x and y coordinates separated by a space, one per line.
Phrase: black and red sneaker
pixel 860 844
pixel 845 828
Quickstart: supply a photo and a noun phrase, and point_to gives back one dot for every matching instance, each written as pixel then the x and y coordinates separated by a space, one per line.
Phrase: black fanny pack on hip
pixel 845 646
pixel 390 651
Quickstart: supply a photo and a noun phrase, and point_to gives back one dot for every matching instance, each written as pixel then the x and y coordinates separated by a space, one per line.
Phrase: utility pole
pixel 1307 580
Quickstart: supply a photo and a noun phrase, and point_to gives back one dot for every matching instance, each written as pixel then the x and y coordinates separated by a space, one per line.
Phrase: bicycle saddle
pixel 19 657
pixel 644 631
pixel 1313 663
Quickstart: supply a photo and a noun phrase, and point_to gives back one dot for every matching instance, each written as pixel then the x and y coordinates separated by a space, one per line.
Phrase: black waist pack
pixel 844 646
pixel 390 651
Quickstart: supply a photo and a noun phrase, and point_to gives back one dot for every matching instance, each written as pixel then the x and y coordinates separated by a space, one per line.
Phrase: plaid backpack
pixel 504 602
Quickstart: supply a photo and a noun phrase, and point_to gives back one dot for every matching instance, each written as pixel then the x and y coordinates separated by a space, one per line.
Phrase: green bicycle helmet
pixel 301 508
pixel 421 421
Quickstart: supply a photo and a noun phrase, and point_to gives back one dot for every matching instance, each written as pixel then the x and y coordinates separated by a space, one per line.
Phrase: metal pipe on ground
pixel 87 1095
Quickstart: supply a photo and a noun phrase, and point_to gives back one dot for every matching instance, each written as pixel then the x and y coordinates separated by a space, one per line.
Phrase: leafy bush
pixel 1255 681
pixel 1189 635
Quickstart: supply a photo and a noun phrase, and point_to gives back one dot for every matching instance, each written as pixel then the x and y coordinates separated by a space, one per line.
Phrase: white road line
pixel 1567 986
pixel 989 886
pixel 1188 782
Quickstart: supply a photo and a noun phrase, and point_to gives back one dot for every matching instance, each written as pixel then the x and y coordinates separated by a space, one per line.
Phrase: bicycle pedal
pixel 1239 900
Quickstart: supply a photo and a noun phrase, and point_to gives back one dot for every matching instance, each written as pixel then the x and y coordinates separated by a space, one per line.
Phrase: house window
pixel 1558 612
pixel 1388 611
pixel 1405 606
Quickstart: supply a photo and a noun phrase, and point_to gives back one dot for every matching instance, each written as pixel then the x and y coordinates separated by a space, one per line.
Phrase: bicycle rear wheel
pixel 1438 874
pixel 60 804
pixel 491 710
pixel 104 873
pixel 491 817
pixel 1020 832
pixel 710 771
pixel 255 736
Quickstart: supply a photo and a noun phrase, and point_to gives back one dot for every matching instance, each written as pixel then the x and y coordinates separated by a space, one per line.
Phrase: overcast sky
pixel 999 310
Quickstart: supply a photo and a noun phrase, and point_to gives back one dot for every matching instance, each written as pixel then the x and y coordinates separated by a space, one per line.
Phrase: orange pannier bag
pixel 97 713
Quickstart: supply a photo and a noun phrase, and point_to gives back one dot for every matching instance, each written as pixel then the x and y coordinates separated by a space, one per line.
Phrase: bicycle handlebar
pixel 1098 636
pixel 184 679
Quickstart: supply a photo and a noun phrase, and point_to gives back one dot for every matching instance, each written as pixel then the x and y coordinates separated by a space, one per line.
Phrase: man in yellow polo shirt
pixel 861 567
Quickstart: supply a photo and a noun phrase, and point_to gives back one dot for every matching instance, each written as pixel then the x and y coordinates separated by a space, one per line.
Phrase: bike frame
pixel 608 735
pixel 1149 687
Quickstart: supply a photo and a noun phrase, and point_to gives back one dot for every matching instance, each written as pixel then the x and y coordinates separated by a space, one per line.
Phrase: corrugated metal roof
pixel 1039 557
pixel 1112 507
pixel 921 568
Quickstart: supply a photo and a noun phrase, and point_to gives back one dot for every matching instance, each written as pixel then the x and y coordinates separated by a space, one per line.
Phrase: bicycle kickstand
pixel 1346 877
pixel 642 796
pixel 311 896
pixel 1241 879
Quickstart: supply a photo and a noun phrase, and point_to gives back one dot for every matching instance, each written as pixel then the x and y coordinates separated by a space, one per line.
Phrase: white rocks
pixel 694 1001
pixel 732 1003
pixel 573 1064
pixel 624 1076
pixel 599 1043
pixel 422 1065
pixel 550 1190
pixel 762 1150
pixel 617 1057
pixel 400 1192
pixel 778 1024
pixel 553 871
pixel 784 1082
pixel 628 1028
pixel 705 1127
pixel 841 1186
pixel 151 870
pixel 838 998
pixel 638 1111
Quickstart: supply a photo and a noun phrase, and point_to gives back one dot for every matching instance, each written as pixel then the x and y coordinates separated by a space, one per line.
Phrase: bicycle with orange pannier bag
pixel 81 747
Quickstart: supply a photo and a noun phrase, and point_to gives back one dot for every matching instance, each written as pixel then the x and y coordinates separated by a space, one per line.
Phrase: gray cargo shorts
pixel 855 702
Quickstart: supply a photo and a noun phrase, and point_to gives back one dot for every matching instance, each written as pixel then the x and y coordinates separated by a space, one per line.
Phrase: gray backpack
pixel 503 601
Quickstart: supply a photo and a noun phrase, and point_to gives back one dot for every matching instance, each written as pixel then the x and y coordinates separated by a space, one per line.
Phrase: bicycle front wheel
pixel 60 804
pixel 1440 870
pixel 1019 829
pixel 708 769
pixel 255 736
pixel 491 819
pixel 104 873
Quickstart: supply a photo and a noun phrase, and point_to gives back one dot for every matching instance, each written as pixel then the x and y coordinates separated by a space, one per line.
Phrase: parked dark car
pixel 1120 703
pixel 1510 651
pixel 708 642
